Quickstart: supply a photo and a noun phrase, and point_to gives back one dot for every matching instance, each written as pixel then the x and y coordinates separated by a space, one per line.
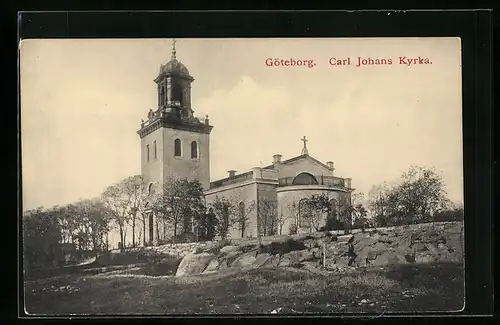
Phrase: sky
pixel 82 102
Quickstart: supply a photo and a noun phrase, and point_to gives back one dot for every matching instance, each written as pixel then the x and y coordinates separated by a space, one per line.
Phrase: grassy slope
pixel 397 288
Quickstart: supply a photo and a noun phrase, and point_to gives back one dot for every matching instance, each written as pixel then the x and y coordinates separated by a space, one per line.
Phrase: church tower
pixel 174 143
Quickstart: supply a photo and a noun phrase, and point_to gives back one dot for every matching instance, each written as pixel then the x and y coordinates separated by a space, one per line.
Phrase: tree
pixel 292 209
pixel 179 203
pixel 136 195
pixel 360 213
pixel 451 212
pixel 224 211
pixel 242 216
pixel 85 223
pixel 417 196
pixel 318 206
pixel 114 200
pixel 281 218
pixel 378 204
pixel 266 216
pixel 345 210
pixel 41 237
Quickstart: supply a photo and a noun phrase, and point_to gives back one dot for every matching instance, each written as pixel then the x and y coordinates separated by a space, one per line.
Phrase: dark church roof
pixel 174 67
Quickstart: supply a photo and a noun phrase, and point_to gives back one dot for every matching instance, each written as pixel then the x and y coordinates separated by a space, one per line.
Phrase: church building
pixel 175 143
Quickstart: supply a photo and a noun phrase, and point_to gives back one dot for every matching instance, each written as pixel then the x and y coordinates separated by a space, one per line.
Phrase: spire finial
pixel 173 49
pixel 304 150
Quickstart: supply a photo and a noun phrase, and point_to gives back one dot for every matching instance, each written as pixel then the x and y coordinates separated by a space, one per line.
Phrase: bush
pixel 139 255
pixel 381 221
pixel 185 238
pixel 449 215
pixel 333 223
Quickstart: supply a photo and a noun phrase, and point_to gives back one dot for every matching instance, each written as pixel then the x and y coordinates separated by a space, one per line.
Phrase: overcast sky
pixel 82 102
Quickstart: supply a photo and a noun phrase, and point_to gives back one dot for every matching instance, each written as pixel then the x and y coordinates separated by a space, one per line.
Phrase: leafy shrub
pixel 139 255
pixel 333 223
pixel 185 238
pixel 449 215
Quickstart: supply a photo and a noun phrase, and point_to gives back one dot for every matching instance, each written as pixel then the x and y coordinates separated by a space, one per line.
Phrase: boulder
pixel 227 249
pixel 403 250
pixel 379 247
pixel 384 238
pixel 442 247
pixel 212 266
pixel 244 260
pixel 196 250
pixel 432 248
pixel 261 260
pixel 312 267
pixel 296 257
pixel 424 257
pixel 194 264
pixel 385 258
pixel 363 242
pixel 345 238
pixel 273 261
pixel 419 247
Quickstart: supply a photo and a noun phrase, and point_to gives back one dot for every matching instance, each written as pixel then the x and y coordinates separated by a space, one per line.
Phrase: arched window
pixel 304 214
pixel 147 152
pixel 177 94
pixel 333 207
pixel 177 148
pixel 155 150
pixel 304 179
pixel 194 150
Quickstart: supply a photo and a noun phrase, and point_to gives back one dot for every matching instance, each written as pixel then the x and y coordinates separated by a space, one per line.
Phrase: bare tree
pixel 243 211
pixel 266 216
pixel 293 211
pixel 114 200
pixel 281 218
pixel 136 194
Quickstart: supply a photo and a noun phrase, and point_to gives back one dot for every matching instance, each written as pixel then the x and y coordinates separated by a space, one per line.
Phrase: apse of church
pixel 276 191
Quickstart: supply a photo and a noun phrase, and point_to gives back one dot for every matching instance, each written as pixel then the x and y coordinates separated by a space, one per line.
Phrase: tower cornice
pixel 165 123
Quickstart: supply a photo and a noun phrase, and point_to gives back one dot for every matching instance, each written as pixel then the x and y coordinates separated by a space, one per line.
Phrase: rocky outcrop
pixel 194 263
pixel 422 243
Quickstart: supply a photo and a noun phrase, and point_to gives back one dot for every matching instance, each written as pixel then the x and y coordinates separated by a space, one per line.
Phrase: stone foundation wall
pixel 181 250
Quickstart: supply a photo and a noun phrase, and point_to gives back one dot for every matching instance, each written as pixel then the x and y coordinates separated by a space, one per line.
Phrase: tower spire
pixel 304 150
pixel 173 49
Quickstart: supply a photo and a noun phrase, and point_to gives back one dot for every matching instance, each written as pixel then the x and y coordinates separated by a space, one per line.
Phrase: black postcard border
pixel 473 27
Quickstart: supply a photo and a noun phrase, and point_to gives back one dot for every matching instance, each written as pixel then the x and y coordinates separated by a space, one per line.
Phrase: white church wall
pixel 247 194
